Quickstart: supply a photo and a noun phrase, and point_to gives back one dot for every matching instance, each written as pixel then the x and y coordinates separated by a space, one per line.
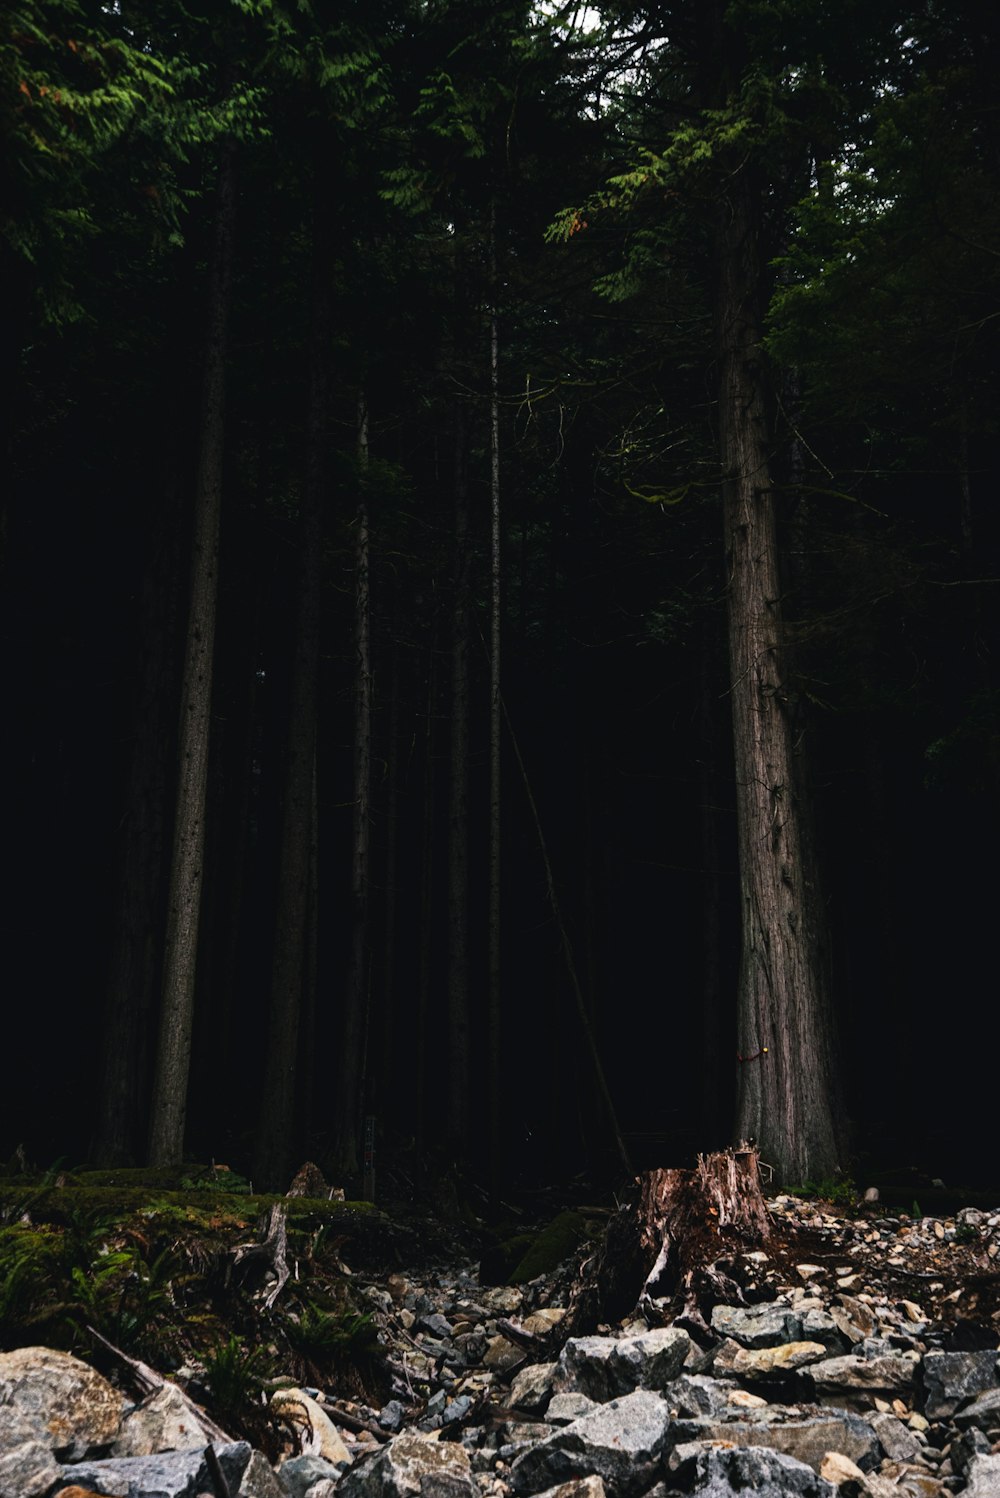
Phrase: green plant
pixel 324 1337
pixel 840 1190
pixel 235 1376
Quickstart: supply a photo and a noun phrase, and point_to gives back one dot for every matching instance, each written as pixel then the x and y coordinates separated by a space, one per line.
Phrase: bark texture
pixel 669 1253
pixel 786 1094
pixel 173 1061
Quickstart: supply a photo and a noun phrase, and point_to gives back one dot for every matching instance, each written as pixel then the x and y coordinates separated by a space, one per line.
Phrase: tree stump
pixel 670 1254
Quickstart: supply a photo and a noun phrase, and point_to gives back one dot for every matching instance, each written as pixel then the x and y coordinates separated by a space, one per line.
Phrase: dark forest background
pixel 410 179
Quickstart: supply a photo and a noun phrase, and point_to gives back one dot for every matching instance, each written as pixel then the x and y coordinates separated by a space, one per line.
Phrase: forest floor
pixel 416 1306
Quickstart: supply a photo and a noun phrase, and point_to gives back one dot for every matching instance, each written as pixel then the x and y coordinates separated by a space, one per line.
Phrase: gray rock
pixel 819 1326
pixel 896 1439
pixel 758 1326
pixel 806 1436
pixel 322 1489
pixel 176 1474
pixel 983 1413
pixel 585 1367
pixel 965 1448
pixel 694 1394
pixel 983 1477
pixel 604 1368
pixel 18 1426
pixel 621 1442
pixel 952 1377
pixel 767 1364
pixel 390 1417
pixel 708 1471
pixel 163 1422
pixel 28 1469
pixel 300 1473
pixel 73 1404
pixel 563 1409
pixel 531 1389
pixel 857 1381
pixel 412 1467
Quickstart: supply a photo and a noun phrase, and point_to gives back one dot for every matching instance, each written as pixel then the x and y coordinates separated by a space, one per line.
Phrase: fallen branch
pixel 152 1381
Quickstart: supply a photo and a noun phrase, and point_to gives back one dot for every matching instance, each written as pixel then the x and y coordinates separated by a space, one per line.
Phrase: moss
pixel 553 1244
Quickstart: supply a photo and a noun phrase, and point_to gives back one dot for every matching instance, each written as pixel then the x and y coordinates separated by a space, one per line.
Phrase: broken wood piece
pixel 271 1252
pixel 151 1381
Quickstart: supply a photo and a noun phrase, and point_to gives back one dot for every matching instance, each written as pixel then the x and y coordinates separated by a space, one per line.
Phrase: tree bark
pixel 169 1099
pixel 787 1088
pixel 670 1253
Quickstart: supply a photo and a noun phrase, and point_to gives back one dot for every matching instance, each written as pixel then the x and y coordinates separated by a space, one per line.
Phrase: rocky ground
pixel 862 1362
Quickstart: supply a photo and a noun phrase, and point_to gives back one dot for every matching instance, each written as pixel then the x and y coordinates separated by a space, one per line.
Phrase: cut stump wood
pixel 668 1254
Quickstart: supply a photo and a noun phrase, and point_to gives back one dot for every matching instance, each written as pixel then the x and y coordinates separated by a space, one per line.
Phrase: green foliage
pixel 840 1190
pixel 325 1339
pixel 236 1374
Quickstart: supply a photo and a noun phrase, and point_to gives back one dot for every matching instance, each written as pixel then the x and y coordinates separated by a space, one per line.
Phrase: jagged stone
pixel 27 1469
pixel 837 1469
pixel 764 1364
pixel 983 1413
pixel 706 1470
pixel 983 1477
pixel 965 1448
pixel 897 1440
pixel 163 1422
pixel 299 1475
pixel 758 1326
pixel 805 1435
pixel 75 1407
pixel 531 1389
pixel 856 1381
pixel 411 1466
pixel 911 1481
pixel 605 1368
pixel 952 1377
pixel 176 1474
pixel 563 1409
pixel 621 1442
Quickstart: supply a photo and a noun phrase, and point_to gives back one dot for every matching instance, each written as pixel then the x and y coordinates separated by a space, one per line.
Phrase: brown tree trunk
pixel 787 1088
pixel 173 1059
pixel 670 1253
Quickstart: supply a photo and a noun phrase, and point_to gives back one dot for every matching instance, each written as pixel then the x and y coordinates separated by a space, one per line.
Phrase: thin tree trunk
pixel 459 1048
pixel 494 1028
pixel 786 1099
pixel 388 1021
pixel 353 1034
pixel 273 1153
pixel 173 1061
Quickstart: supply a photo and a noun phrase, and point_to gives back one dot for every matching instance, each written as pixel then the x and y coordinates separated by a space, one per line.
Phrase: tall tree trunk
pixel 496 729
pixel 173 1059
pixel 276 1125
pixel 353 1032
pixel 787 1089
pixel 459 1038
pixel 425 933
